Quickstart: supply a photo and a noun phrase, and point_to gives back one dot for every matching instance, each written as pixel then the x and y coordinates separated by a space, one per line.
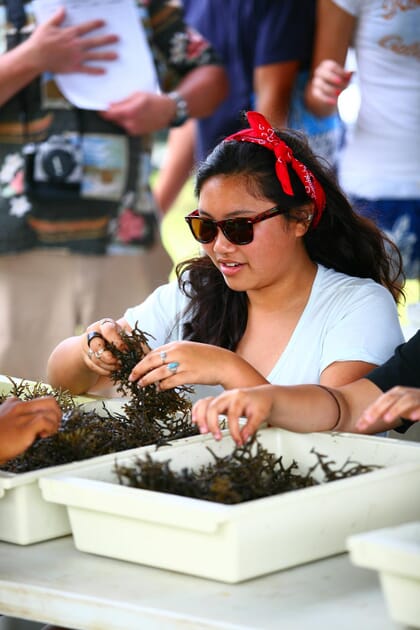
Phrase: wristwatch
pixel 181 111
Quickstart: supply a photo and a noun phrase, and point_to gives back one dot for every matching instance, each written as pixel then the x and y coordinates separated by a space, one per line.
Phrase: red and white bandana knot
pixel 261 132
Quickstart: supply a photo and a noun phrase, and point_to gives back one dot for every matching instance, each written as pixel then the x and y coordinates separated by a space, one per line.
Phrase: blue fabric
pixel 248 34
pixel 400 220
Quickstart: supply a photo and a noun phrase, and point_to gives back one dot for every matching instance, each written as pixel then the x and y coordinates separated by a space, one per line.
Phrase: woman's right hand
pixel 95 356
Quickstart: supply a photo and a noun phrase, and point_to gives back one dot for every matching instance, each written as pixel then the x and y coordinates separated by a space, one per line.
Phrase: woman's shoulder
pixel 330 278
pixel 346 290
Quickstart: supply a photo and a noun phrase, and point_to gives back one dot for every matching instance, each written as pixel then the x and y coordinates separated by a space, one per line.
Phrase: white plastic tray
pixel 234 543
pixel 395 553
pixel 25 517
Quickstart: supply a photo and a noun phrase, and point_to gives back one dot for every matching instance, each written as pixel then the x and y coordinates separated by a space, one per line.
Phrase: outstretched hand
pixel 398 402
pixel 64 49
pixel 245 410
pixel 22 422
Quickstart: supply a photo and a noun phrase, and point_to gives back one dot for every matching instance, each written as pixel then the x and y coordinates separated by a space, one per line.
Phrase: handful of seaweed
pixel 248 472
pixel 150 416
pixel 164 414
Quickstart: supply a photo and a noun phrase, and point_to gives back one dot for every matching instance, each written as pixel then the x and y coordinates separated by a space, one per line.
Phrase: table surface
pixel 53 582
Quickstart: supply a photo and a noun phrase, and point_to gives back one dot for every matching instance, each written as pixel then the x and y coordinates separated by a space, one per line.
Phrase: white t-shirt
pixel 345 319
pixel 382 156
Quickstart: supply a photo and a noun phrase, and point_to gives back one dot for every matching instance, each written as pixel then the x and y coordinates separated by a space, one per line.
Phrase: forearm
pixel 306 408
pixel 204 88
pixel 177 165
pixel 334 32
pixel 67 370
pixel 273 87
pixel 18 68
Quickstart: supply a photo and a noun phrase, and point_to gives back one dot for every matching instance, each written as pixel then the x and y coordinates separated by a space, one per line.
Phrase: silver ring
pixel 172 367
pixel 90 353
pixel 107 319
pixel 99 353
pixel 163 356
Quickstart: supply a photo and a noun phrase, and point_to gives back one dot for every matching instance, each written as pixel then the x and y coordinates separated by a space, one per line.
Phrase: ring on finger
pixel 173 366
pixel 99 353
pixel 90 353
pixel 163 355
pixel 93 335
pixel 106 320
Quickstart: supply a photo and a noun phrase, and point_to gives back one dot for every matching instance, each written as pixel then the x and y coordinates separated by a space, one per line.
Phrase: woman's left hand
pixel 398 402
pixel 186 362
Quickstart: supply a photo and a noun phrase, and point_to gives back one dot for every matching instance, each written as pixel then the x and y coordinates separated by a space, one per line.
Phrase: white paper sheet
pixel 133 70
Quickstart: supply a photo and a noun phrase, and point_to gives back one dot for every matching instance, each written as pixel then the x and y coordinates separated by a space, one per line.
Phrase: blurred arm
pixel 334 32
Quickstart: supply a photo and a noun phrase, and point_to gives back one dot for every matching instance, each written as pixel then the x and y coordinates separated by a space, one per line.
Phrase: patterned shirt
pixel 109 205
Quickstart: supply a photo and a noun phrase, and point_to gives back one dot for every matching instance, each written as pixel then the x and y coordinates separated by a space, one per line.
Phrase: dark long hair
pixel 342 240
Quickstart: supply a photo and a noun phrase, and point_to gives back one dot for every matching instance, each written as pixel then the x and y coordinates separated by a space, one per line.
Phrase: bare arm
pixel 56 49
pixel 273 86
pixel 343 372
pixel 177 164
pixel 300 408
pixel 333 37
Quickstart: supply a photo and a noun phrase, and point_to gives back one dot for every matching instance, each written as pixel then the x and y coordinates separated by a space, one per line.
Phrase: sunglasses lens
pixel 203 230
pixel 239 231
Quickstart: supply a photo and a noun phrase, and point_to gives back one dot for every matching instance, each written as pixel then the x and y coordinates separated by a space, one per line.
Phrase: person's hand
pixel 64 49
pixel 253 405
pixel 398 402
pixel 329 80
pixel 186 362
pixel 141 113
pixel 94 354
pixel 22 422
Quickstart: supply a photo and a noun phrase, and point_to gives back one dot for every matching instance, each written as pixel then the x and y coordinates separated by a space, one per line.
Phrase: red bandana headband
pixel 263 134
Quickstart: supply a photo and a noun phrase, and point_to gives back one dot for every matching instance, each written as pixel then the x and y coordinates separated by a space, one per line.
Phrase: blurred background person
pixel 55 251
pixel 380 163
pixel 266 47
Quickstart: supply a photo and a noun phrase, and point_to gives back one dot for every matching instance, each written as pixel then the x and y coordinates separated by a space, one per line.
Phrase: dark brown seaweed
pixel 150 416
pixel 249 472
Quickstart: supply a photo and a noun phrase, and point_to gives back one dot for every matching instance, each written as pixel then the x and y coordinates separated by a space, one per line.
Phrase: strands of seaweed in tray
pixel 26 390
pixel 248 472
pixel 150 416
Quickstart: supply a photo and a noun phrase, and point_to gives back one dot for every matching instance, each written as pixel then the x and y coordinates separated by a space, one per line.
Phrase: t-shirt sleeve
pixel 285 32
pixel 364 327
pixel 181 48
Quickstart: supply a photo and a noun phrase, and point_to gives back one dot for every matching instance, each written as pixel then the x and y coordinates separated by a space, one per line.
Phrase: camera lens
pixel 58 164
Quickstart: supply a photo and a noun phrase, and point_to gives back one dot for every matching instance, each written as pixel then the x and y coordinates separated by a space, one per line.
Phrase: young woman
pixel 293 286
pixel 357 407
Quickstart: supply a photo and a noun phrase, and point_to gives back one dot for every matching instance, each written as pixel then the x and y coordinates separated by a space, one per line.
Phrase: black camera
pixel 53 169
